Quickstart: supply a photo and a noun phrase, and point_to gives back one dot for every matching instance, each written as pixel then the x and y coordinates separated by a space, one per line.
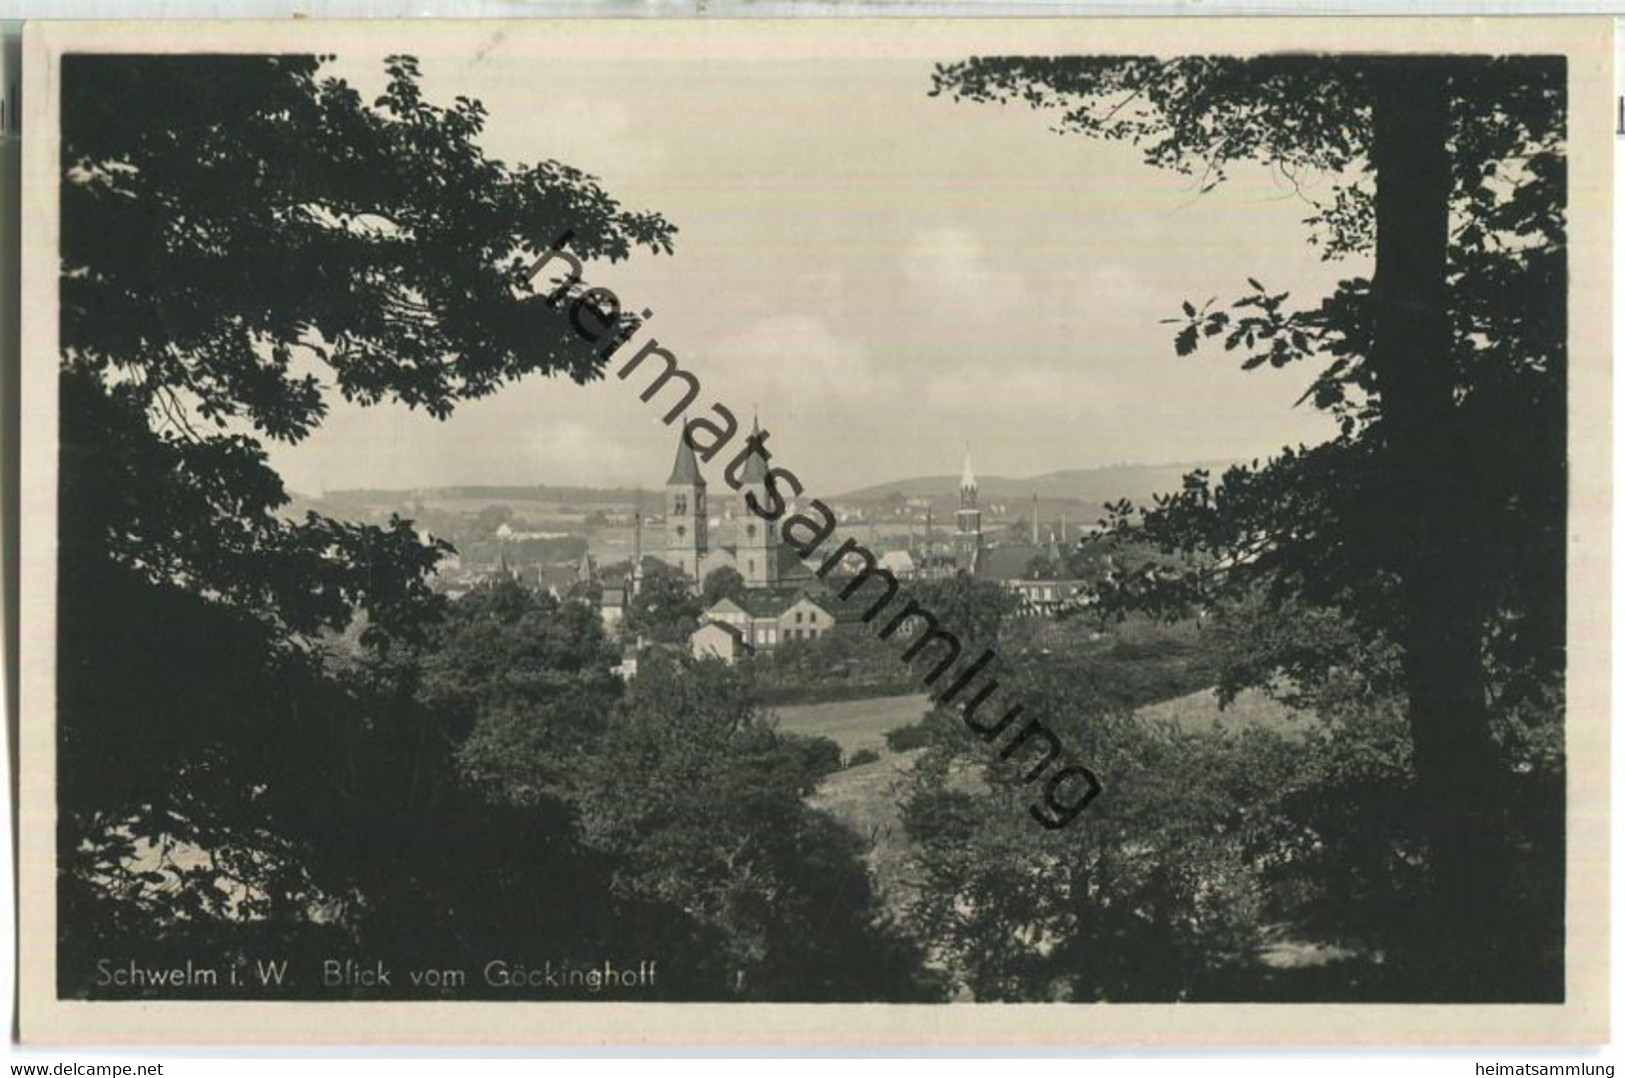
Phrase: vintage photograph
pixel 790 514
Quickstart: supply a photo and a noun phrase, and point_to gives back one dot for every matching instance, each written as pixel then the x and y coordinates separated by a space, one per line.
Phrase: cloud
pixel 792 363
pixel 947 266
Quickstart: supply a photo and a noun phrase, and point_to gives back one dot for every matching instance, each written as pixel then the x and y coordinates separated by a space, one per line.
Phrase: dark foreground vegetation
pixel 278 744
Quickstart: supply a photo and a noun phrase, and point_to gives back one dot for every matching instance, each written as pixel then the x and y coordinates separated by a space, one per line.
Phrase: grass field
pixel 852 724
pixel 1200 711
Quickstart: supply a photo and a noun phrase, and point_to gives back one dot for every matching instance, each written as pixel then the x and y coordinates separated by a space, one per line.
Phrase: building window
pixel 812 634
pixel 680 531
pixel 750 566
pixel 679 504
pixel 798 616
pixel 750 531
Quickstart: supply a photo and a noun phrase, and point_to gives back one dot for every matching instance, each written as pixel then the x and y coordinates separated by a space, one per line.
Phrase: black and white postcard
pixel 927 528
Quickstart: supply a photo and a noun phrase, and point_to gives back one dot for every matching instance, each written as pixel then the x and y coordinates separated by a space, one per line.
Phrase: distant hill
pixel 1086 488
pixel 1093 486
pixel 493 494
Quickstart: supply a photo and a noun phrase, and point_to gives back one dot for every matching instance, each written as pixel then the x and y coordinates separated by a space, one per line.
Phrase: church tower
pixel 634 575
pixel 686 544
pixel 756 554
pixel 968 522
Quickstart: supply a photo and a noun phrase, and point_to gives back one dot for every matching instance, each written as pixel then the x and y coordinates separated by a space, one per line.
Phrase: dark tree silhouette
pixel 1435 518
pixel 665 608
pixel 275 740
pixel 529 677
pixel 701 803
pixel 723 582
pixel 239 232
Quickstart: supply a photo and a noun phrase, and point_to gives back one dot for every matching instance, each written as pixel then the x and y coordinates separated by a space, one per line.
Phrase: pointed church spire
pixel 685 470
pixel 967 522
pixel 755 470
pixel 967 481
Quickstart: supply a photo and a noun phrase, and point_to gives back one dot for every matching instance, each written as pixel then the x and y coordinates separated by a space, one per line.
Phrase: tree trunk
pixel 1461 931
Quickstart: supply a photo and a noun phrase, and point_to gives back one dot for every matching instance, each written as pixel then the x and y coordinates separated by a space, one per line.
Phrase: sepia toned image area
pixel 951 526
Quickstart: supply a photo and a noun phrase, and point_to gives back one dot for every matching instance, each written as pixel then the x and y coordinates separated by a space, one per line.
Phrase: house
pixel 762 610
pixel 718 640
pixel 1009 561
pixel 627 668
pixel 558 581
pixel 765 620
pixel 728 612
pixel 1049 597
pixel 899 563
pixel 805 619
pixel 1019 568
pixel 612 608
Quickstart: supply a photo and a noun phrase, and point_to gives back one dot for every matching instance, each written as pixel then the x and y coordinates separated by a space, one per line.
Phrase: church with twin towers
pixel 753 547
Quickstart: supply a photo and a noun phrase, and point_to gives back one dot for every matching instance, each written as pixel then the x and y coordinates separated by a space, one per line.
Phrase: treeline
pixel 490 792
pixel 1237 862
pixel 274 740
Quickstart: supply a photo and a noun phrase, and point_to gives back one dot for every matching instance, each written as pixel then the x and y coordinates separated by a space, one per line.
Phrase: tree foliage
pixel 275 739
pixel 240 235
pixel 723 582
pixel 702 804
pixel 1313 524
pixel 665 608
pixel 528 677
pixel 1429 532
pixel 1152 896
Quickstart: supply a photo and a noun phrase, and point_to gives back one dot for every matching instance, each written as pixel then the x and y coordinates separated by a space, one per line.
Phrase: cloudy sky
pixel 883 274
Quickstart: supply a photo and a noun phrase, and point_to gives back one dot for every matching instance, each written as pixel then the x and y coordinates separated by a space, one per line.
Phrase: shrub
pixel 861 757
pixel 913 736
pixel 819 755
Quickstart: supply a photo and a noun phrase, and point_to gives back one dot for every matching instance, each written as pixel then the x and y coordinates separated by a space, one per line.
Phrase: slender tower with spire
pixel 968 521
pixel 927 564
pixel 686 541
pixel 634 576
pixel 755 552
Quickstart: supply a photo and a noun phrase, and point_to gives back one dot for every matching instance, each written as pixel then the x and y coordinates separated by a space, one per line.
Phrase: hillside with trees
pixel 317 756
pixel 1414 565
